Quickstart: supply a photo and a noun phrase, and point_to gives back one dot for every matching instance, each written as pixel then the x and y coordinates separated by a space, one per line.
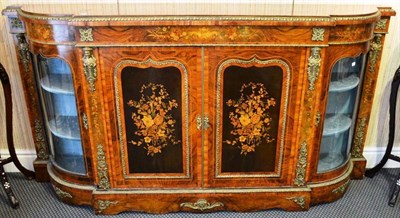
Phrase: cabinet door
pixel 343 95
pixel 152 96
pixel 253 95
pixel 55 84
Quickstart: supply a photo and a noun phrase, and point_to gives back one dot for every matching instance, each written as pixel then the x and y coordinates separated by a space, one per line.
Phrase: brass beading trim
pixel 202 191
pixel 349 170
pixel 73 18
pixel 68 184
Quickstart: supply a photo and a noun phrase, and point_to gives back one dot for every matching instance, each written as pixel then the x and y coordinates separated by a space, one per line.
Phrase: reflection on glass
pixel 339 116
pixel 60 113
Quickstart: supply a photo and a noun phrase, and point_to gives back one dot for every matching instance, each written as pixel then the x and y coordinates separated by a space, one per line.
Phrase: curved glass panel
pixel 60 113
pixel 344 89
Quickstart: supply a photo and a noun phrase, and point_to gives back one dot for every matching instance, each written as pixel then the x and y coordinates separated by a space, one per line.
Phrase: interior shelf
pixel 345 84
pixel 58 83
pixel 73 163
pixel 330 162
pixel 66 127
pixel 336 124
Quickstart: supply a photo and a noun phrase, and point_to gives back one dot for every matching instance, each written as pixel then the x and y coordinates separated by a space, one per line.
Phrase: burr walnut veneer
pixel 200 112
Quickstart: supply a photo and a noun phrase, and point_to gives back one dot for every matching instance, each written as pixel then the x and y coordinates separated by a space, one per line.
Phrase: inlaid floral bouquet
pixel 152 118
pixel 250 119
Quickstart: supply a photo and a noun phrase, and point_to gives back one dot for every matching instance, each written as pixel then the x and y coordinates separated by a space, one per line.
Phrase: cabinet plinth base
pixel 40 167
pixel 70 193
pixel 359 168
pixel 197 201
pixel 159 201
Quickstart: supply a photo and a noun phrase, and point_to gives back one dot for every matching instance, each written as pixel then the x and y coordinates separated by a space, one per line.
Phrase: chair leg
pixel 395 193
pixel 7 188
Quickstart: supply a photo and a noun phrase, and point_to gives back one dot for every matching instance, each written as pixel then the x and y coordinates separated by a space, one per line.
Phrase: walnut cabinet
pixel 199 113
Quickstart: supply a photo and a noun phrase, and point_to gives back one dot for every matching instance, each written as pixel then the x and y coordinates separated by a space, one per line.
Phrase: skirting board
pixel 373 156
pixel 25 157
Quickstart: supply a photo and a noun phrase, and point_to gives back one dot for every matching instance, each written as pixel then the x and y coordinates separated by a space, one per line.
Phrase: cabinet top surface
pixel 143 14
pixel 198 9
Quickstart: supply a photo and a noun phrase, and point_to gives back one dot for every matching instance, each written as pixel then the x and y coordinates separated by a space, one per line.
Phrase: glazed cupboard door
pixel 340 114
pixel 56 88
pixel 153 97
pixel 252 96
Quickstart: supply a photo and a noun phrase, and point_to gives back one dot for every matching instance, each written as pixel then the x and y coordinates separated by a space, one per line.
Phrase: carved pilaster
pixel 42 153
pixel 375 51
pixel 102 168
pixel 23 50
pixel 301 166
pixel 39 134
pixel 89 66
pixel 359 138
pixel 314 63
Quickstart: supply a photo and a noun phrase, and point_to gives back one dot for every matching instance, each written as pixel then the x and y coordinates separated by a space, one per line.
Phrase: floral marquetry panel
pixel 213 35
pixel 153 120
pixel 251 106
pixel 151 107
pixel 50 33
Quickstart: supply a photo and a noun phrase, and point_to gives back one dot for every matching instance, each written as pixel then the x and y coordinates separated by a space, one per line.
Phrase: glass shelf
pixel 330 162
pixel 67 146
pixel 334 135
pixel 333 153
pixel 336 124
pixel 344 84
pixel 57 84
pixel 72 163
pixel 62 105
pixel 65 127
